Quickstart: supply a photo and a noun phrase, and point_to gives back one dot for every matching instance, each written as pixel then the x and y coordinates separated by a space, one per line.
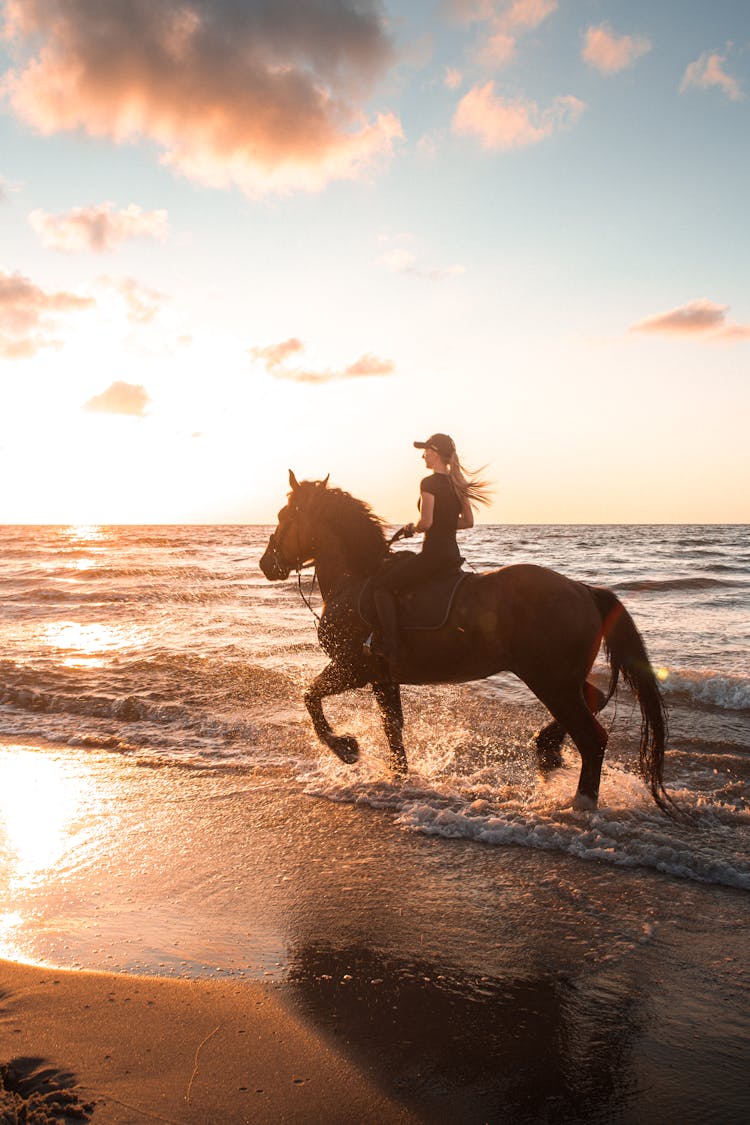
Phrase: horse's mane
pixel 362 532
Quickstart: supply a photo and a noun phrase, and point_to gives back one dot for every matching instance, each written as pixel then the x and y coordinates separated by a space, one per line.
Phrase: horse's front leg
pixel 388 696
pixel 334 679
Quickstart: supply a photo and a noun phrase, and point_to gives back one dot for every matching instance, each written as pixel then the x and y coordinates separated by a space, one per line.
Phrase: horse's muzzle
pixel 274 568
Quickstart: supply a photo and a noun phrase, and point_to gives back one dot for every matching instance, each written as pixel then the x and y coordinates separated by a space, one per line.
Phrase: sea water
pixel 483 951
pixel 168 646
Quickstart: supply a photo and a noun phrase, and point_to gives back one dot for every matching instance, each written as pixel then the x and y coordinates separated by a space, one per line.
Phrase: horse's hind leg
pixel 549 740
pixel 570 709
pixel 596 700
pixel 388 696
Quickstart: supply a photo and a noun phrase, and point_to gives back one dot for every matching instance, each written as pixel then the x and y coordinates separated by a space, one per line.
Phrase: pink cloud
pixel 708 71
pixel 369 365
pixel 120 398
pixel 518 14
pixel 528 13
pixel 98 228
pixel 503 123
pixel 504 23
pixel 611 53
pixel 701 318
pixel 452 77
pixel 268 97
pixel 496 50
pixel 276 354
pixel 28 315
pixel 142 303
pixel 274 357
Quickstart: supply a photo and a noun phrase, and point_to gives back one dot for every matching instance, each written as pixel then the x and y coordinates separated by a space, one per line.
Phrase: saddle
pixel 426 606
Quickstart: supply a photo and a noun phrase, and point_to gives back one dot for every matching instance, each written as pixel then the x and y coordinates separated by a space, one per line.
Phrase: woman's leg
pixel 399 576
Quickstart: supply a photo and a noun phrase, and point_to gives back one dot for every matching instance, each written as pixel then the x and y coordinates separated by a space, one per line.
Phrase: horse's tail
pixel 627 655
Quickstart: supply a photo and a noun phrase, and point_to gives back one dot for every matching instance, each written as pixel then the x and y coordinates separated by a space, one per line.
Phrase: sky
pixel 243 237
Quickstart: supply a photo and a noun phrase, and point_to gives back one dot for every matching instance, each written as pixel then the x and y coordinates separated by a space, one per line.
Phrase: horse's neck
pixel 332 565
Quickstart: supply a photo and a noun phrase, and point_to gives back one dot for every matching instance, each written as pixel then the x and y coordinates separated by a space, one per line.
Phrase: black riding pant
pixel 407 570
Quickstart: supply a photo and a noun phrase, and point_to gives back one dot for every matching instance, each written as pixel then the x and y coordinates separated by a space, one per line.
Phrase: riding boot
pixel 385 605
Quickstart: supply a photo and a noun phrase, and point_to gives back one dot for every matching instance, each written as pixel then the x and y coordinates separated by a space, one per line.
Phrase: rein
pixel 308 600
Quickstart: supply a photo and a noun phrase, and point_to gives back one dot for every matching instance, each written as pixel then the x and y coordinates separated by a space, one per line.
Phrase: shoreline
pixel 313 950
pixel 120 1049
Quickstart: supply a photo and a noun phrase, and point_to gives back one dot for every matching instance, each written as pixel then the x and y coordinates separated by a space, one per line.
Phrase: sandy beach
pixel 120 1049
pixel 328 966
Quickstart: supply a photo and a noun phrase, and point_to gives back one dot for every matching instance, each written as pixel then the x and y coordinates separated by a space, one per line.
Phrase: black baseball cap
pixel 443 445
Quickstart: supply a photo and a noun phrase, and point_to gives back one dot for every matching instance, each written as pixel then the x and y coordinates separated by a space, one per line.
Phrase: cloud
pixel 505 21
pixel 142 304
pixel 120 398
pixel 369 364
pixel 452 77
pixel 400 260
pixel 496 50
pixel 610 53
pixel 701 318
pixel 523 14
pixel 98 228
pixel 8 188
pixel 516 14
pixel 708 71
pixel 505 123
pixel 265 96
pixel 275 356
pixel 28 315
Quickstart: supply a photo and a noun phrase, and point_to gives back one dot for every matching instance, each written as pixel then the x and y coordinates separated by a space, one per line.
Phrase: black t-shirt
pixel 441 537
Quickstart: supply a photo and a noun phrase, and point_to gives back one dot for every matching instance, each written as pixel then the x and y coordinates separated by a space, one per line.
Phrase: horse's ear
pixel 293 482
pixel 325 482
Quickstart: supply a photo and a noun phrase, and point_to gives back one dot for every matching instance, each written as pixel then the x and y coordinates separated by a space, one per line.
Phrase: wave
pixel 655 584
pixel 626 831
pixel 155 593
pixel 730 692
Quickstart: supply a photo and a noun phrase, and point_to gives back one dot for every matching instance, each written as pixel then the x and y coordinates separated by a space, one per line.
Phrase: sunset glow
pixel 39 799
pixel 232 242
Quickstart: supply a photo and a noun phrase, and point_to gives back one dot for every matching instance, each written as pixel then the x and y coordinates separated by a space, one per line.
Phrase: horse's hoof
pixel 583 803
pixel 346 748
pixel 398 767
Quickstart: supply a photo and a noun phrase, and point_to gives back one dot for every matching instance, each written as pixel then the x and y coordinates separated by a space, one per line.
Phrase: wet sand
pixel 348 969
pixel 122 1049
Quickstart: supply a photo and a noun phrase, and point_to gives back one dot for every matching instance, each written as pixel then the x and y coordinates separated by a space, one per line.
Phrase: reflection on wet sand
pixel 466 1048
pixel 41 802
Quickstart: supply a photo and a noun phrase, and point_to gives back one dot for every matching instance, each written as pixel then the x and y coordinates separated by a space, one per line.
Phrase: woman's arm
pixel 427 509
pixel 466 517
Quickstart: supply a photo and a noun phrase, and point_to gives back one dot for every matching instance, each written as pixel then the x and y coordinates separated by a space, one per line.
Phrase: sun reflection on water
pixel 91 645
pixel 39 802
pixel 42 832
pixel 84 534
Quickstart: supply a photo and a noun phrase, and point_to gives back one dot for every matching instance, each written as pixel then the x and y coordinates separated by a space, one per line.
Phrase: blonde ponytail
pixel 468 486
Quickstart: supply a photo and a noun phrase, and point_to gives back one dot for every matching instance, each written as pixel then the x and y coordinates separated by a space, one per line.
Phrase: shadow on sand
pixel 473 1048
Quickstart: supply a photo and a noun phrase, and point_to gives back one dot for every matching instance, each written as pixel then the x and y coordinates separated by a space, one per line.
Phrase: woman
pixel 446 502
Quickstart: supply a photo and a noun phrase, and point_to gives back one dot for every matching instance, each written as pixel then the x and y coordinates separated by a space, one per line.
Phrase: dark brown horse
pixel 545 628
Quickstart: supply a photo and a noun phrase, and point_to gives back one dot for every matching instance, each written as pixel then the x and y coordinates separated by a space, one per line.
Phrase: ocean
pixel 167 644
pixel 165 808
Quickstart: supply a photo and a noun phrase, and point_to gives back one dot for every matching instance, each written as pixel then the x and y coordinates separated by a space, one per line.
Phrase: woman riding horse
pixel 446 503
pixel 545 628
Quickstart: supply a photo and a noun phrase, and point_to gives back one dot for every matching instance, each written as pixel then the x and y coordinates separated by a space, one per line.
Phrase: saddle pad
pixel 426 606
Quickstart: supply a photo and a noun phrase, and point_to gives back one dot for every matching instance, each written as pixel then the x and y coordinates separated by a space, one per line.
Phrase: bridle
pixel 275 545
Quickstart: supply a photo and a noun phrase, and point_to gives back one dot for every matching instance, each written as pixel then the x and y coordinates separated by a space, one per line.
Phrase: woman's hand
pixel 408 530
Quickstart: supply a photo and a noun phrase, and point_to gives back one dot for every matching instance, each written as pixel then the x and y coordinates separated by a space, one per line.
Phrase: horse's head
pixel 292 544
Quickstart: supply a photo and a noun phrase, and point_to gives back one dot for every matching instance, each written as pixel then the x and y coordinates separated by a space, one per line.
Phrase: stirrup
pixel 373 646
